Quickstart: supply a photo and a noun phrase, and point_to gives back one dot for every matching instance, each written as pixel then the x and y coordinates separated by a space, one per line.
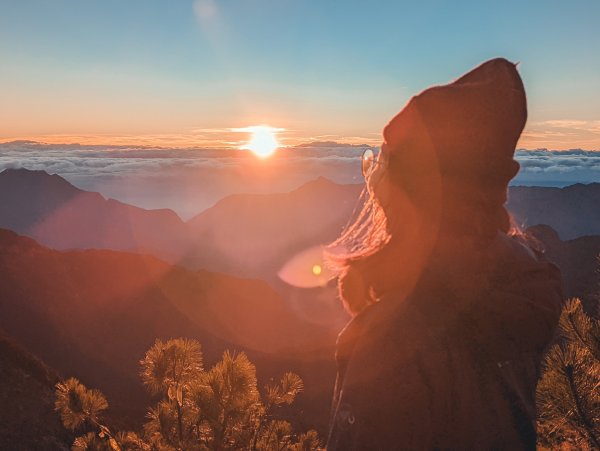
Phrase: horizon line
pixel 300 144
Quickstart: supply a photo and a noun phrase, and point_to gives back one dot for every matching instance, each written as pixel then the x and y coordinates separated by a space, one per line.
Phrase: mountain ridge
pixel 92 314
pixel 246 235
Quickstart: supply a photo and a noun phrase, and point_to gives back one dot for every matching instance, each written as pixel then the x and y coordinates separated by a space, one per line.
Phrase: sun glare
pixel 263 142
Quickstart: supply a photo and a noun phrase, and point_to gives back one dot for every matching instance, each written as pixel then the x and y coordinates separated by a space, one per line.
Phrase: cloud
pixel 257 128
pixel 191 179
pixel 592 126
pixel 187 180
pixel 558 167
pixel 563 133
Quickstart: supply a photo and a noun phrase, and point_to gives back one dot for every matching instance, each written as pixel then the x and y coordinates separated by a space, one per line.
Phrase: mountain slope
pixel 578 260
pixel 27 417
pixel 254 235
pixel 92 314
pixel 59 215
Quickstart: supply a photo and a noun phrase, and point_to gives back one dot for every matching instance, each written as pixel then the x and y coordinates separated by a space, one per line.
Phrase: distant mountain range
pixel 579 261
pixel 244 235
pixel 254 235
pixel 572 211
pixel 247 235
pixel 59 215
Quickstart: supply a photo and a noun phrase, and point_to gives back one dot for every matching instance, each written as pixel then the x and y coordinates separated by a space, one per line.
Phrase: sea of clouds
pixel 189 180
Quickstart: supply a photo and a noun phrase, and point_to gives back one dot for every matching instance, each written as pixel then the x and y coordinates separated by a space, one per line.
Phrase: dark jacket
pixel 455 365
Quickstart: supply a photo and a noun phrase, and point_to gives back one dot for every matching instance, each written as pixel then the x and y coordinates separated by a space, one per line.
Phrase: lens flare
pixel 306 269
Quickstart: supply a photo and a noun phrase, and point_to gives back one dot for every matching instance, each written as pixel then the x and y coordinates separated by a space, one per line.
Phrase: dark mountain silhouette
pixel 255 234
pixel 578 260
pixel 27 417
pixel 244 235
pixel 573 211
pixel 248 235
pixel 92 315
pixel 59 215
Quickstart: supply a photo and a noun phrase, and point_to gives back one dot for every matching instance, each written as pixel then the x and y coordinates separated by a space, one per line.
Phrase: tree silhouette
pixel 222 409
pixel 77 405
pixel 169 368
pixel 225 400
pixel 91 441
pixel 81 408
pixel 218 409
pixel 568 394
pixel 283 393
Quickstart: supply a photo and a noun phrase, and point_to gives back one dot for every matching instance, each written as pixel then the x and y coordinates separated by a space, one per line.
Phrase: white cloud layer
pixel 188 180
pixel 557 167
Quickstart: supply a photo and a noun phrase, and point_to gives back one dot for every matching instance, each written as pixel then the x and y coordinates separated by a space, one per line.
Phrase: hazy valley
pixel 89 283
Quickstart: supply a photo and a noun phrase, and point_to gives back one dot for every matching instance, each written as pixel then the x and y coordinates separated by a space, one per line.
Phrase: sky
pixel 190 73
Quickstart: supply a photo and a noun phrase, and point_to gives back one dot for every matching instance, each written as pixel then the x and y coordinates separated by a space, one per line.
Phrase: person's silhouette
pixel 451 309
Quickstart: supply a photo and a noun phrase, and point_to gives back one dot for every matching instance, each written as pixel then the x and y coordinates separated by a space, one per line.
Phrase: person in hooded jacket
pixel 452 309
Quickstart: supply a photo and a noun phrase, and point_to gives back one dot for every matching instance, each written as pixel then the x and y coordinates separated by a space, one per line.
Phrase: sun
pixel 263 142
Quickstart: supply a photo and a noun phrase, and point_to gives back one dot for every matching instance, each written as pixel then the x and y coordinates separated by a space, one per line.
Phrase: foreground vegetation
pixel 216 409
pixel 222 408
pixel 568 394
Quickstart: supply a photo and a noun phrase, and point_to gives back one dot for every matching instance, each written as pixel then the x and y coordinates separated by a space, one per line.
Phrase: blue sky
pixel 189 71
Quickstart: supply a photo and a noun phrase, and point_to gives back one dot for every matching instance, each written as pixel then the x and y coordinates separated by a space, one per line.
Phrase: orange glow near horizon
pixel 226 140
pixel 556 135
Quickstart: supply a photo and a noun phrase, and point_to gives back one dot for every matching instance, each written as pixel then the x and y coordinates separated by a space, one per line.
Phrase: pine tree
pixel 220 409
pixel 168 368
pixel 568 394
pixel 224 400
pixel 77 405
pixel 81 409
